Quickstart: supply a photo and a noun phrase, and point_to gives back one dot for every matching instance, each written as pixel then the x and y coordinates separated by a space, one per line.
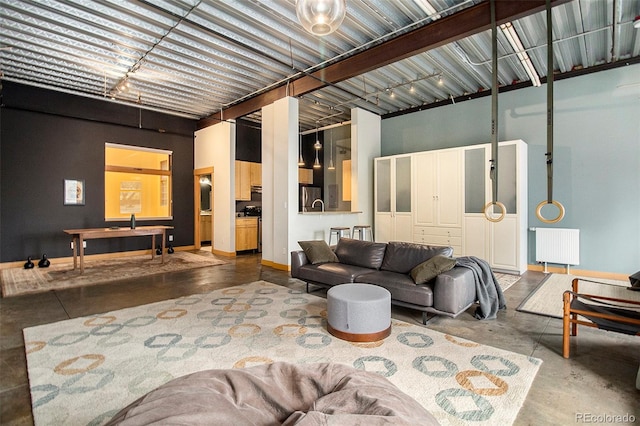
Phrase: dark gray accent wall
pixel 248 141
pixel 47 137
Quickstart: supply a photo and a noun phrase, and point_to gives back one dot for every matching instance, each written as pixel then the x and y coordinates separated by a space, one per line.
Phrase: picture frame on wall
pixel 73 192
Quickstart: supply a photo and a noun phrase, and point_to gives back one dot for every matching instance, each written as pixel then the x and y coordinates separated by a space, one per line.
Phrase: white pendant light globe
pixel 321 17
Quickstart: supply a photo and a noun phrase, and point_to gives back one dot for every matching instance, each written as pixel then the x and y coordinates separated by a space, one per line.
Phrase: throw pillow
pixel 318 251
pixel 431 268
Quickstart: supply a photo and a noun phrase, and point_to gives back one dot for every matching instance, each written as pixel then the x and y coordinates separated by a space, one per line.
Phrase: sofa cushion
pixel 402 257
pixel 429 269
pixel 401 287
pixel 318 251
pixel 360 253
pixel 330 273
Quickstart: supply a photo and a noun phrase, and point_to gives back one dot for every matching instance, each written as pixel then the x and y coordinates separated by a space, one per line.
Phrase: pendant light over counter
pixel 317 147
pixel 300 157
pixel 331 166
pixel 321 17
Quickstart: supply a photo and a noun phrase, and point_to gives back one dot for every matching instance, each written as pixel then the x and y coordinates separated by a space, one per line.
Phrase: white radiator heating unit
pixel 557 245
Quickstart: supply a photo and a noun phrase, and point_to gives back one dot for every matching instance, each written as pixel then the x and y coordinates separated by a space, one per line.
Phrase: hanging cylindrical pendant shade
pixel 300 158
pixel 316 164
pixel 331 166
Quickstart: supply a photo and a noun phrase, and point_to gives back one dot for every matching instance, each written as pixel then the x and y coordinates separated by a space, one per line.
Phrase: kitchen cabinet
pixel 305 176
pixel 247 174
pixel 243 180
pixel 255 174
pixel 205 227
pixel 246 233
pixel 392 198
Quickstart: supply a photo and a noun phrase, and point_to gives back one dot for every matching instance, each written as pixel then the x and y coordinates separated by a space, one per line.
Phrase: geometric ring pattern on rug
pixel 84 370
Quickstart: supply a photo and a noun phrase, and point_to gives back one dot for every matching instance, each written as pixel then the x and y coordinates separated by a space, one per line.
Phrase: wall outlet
pixel 84 244
pixel 170 237
pixel 284 250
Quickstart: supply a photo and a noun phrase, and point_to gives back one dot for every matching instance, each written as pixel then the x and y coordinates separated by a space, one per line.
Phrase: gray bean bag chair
pixel 274 394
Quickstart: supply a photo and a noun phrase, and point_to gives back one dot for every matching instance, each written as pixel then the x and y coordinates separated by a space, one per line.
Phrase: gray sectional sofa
pixel 390 265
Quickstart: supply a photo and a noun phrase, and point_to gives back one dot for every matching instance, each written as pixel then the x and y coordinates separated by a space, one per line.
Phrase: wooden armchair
pixel 607 313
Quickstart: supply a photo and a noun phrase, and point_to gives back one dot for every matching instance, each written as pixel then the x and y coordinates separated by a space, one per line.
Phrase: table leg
pixel 153 246
pixel 81 250
pixel 74 243
pixel 163 244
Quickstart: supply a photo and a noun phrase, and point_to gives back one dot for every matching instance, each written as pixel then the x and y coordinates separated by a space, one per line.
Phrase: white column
pixel 280 178
pixel 365 146
pixel 216 146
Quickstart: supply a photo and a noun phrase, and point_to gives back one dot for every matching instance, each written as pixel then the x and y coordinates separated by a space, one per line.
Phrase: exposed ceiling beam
pixel 462 24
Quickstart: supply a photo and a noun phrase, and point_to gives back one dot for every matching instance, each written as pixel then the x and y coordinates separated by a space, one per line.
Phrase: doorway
pixel 203 207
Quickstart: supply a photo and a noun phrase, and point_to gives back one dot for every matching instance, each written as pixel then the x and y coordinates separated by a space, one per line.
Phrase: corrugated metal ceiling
pixel 198 57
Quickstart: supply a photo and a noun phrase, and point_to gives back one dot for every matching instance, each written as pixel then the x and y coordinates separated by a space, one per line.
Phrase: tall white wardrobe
pixel 438 198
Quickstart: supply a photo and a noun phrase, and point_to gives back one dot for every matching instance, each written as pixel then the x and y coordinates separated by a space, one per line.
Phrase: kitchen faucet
pixel 321 204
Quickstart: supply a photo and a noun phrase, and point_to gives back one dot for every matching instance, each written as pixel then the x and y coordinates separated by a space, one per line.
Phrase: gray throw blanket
pixel 488 289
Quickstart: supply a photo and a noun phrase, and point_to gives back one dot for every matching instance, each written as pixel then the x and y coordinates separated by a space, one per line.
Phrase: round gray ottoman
pixel 359 312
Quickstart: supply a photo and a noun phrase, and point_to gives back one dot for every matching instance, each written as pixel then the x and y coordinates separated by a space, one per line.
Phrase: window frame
pixel 166 195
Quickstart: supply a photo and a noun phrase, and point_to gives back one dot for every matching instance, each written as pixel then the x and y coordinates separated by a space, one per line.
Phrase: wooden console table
pixel 80 235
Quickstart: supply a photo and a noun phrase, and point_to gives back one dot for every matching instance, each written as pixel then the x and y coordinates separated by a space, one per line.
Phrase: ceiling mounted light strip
pixel 521 52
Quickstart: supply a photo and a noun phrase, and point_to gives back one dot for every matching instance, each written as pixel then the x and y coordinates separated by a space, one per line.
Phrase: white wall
pixel 215 146
pixel 282 225
pixel 365 146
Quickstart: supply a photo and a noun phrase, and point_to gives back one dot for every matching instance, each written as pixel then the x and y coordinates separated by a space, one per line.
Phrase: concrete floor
pixel 598 379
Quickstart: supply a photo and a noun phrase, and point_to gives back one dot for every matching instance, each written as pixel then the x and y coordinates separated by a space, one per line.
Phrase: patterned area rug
pixel 506 280
pixel 82 371
pixel 17 281
pixel 546 299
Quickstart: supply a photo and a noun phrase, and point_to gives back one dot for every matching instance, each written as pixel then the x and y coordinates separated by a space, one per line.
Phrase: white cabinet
pixel 393 217
pixel 503 244
pixel 437 186
pixel 439 236
pixel 438 198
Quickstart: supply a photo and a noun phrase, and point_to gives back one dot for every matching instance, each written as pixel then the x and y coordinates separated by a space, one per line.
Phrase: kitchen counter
pixel 326 213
